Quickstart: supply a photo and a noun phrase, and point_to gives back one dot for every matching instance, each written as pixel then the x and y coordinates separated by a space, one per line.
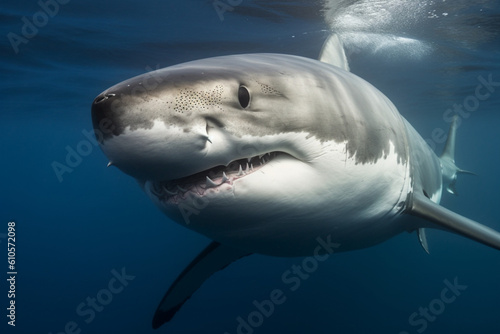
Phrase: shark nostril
pixel 103 97
pixel 99 99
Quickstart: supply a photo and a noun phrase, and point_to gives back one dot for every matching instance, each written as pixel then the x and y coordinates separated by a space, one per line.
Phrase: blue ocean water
pixel 93 255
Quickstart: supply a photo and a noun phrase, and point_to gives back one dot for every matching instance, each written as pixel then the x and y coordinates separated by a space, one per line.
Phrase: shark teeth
pixel 211 184
pixel 263 155
pixel 170 193
pixel 240 172
pixel 200 182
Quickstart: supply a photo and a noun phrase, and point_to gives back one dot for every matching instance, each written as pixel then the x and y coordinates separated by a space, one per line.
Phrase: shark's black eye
pixel 243 96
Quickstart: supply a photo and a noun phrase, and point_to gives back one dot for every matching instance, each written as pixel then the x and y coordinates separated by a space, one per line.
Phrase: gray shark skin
pixel 266 153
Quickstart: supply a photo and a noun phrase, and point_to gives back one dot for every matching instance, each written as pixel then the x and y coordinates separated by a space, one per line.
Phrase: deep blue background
pixel 71 234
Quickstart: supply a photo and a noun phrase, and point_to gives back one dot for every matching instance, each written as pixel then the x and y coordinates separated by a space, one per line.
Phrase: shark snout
pixel 143 138
pixel 104 115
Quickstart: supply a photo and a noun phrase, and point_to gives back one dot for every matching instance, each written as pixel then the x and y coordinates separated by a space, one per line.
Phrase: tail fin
pixel 450 170
pixel 333 52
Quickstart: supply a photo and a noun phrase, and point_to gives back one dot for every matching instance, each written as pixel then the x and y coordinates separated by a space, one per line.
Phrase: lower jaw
pixel 196 197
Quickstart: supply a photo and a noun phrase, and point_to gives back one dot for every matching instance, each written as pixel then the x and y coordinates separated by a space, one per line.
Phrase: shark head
pixel 246 148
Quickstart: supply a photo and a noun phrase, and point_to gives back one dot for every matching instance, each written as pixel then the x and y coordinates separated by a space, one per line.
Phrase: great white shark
pixel 269 153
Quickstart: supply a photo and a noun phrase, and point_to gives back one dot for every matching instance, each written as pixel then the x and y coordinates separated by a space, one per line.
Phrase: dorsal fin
pixel 333 52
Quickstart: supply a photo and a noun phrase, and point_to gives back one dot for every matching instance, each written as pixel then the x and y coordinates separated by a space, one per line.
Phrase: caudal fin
pixel 450 169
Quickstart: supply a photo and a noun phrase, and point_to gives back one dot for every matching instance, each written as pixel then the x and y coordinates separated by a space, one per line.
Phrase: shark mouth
pixel 174 191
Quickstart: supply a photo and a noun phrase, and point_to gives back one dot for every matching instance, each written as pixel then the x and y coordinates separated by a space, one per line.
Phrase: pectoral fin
pixel 212 259
pixel 424 208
